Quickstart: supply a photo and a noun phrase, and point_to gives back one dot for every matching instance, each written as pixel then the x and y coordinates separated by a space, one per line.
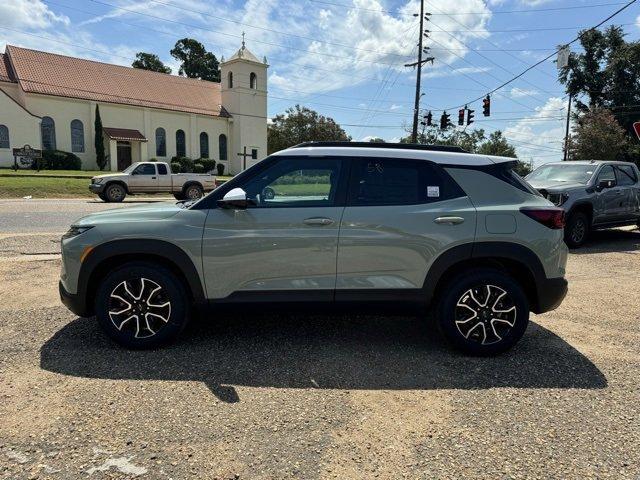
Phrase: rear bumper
pixel 75 303
pixel 551 293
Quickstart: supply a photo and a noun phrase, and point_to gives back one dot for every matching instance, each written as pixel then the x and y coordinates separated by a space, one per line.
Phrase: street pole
pixel 566 133
pixel 414 135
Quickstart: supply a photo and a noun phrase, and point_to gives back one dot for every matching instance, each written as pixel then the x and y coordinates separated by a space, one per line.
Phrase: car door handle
pixel 318 221
pixel 449 220
pixel 153 178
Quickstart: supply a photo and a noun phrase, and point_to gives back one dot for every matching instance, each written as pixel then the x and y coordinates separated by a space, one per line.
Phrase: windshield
pixel 562 173
pixel 131 167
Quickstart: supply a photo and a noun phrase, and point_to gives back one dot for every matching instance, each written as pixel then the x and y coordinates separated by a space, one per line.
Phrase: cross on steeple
pixel 243 40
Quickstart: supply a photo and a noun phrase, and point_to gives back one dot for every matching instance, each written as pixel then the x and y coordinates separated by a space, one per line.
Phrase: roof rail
pixel 391 146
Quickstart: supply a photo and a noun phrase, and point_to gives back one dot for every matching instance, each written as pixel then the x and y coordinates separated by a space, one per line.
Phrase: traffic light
pixel 486 106
pixel 469 115
pixel 444 121
pixel 429 118
pixel 461 117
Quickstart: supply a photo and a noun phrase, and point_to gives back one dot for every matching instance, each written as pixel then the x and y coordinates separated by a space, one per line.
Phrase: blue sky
pixel 344 58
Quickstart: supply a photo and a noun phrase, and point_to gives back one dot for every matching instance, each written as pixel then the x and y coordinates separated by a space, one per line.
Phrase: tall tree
pixel 301 124
pixel 101 159
pixel 496 144
pixel 196 62
pixel 598 136
pixel 150 61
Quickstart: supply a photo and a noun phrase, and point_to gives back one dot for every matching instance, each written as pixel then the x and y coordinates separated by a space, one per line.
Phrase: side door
pixel 285 246
pixel 143 178
pixel 609 202
pixel 164 178
pixel 628 182
pixel 400 215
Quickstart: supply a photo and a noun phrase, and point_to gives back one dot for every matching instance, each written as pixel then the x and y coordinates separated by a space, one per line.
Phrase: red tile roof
pixel 52 74
pixel 4 69
pixel 124 134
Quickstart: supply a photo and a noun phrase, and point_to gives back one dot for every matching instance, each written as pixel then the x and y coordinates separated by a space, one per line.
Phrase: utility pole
pixel 419 63
pixel 566 133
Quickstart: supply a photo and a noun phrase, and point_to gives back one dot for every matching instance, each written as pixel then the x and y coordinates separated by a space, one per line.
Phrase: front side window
pixel 145 169
pixel 161 142
pixel 296 183
pixel 4 136
pixel 204 145
pixel 381 181
pixel 626 175
pixel 77 136
pixel 181 144
pixel 48 133
pixel 607 173
pixel 222 146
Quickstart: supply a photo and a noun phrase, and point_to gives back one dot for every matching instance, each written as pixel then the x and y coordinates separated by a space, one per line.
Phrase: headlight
pixel 97 180
pixel 75 230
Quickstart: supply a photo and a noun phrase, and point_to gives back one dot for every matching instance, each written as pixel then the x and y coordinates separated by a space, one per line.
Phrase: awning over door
pixel 124 134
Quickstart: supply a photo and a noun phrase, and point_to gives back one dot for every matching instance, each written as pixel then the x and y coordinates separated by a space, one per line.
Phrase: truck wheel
pixel 482 312
pixel 115 192
pixel 103 197
pixel 141 305
pixel 193 192
pixel 576 230
pixel 179 196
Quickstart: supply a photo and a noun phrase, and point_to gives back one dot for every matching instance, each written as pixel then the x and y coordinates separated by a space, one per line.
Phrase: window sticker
pixel 433 191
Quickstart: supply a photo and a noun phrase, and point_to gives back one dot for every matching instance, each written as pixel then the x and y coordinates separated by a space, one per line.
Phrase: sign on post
pixel 26 153
pixel 636 128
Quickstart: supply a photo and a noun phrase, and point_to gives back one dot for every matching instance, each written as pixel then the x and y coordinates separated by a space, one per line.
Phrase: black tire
pixel 179 196
pixel 576 230
pixel 165 311
pixel 193 192
pixel 103 197
pixel 115 192
pixel 500 323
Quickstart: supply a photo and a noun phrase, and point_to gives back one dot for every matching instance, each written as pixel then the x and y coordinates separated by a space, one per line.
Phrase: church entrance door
pixel 124 155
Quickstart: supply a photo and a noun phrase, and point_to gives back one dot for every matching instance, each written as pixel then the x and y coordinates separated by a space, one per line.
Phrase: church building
pixel 48 101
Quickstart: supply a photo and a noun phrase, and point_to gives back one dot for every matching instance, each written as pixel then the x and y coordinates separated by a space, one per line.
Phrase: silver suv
pixel 330 225
pixel 595 194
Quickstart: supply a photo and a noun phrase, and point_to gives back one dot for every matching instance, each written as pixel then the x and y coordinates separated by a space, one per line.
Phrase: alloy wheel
pixel 578 231
pixel 116 192
pixel 139 306
pixel 193 193
pixel 485 314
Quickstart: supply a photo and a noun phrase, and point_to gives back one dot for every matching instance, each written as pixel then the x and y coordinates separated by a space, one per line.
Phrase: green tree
pixel 196 62
pixel 150 61
pixel 101 159
pixel 301 124
pixel 598 136
pixel 376 140
pixel 496 144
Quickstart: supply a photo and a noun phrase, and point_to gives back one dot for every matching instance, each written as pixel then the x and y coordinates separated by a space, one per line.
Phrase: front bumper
pixel 75 303
pixel 96 188
pixel 551 293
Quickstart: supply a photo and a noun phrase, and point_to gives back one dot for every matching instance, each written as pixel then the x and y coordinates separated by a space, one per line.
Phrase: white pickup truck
pixel 151 177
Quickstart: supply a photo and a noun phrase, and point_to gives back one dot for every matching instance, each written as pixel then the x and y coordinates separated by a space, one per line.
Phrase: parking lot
pixel 274 396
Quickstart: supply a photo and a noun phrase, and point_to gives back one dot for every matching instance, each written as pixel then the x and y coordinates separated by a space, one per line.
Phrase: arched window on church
pixel 181 144
pixel 48 133
pixel 204 145
pixel 4 136
pixel 230 79
pixel 77 136
pixel 253 81
pixel 222 146
pixel 161 142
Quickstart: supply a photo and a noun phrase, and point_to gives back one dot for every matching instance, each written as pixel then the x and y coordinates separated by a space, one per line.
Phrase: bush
pixel 176 167
pixel 220 168
pixel 185 162
pixel 58 160
pixel 208 163
pixel 198 168
pixel 153 159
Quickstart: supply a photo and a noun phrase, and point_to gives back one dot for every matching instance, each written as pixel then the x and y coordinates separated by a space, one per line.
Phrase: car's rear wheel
pixel 576 230
pixel 142 305
pixel 193 192
pixel 483 312
pixel 115 192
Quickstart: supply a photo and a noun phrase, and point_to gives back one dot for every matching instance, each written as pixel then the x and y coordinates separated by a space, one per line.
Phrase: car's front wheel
pixel 576 229
pixel 483 312
pixel 141 305
pixel 115 192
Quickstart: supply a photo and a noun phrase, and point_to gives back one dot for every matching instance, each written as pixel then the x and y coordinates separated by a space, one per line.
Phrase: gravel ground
pixel 315 397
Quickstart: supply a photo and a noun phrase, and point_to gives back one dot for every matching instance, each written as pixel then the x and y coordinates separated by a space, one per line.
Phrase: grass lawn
pixel 298 189
pixel 4 172
pixel 18 187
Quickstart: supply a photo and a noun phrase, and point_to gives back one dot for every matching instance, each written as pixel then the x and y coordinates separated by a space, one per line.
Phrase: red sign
pixel 636 128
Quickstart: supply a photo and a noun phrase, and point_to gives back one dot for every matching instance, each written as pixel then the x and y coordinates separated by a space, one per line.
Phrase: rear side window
pixel 162 169
pixel 626 175
pixel 504 172
pixel 389 181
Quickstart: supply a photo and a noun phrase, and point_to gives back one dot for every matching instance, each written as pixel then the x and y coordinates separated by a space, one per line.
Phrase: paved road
pixel 54 216
pixel 320 397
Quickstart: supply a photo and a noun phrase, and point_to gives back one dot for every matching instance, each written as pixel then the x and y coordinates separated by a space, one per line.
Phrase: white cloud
pixel 521 92
pixel 29 14
pixel 540 136
pixel 454 72
pixel 638 21
pixel 395 107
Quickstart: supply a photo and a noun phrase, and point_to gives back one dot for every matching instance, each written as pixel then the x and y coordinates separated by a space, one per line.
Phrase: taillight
pixel 547 216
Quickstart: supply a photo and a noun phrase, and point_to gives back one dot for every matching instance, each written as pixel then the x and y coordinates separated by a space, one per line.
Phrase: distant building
pixel 48 101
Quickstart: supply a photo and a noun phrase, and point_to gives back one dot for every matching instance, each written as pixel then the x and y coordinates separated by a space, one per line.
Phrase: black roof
pixel 391 146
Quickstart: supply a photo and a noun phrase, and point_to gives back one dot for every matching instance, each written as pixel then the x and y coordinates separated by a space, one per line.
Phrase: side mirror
pixel 602 184
pixel 235 198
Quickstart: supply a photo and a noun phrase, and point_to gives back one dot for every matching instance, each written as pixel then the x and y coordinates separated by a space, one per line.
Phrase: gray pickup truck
pixel 594 194
pixel 151 177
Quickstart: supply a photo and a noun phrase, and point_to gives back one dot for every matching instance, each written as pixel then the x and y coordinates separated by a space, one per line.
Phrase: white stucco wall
pixel 23 128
